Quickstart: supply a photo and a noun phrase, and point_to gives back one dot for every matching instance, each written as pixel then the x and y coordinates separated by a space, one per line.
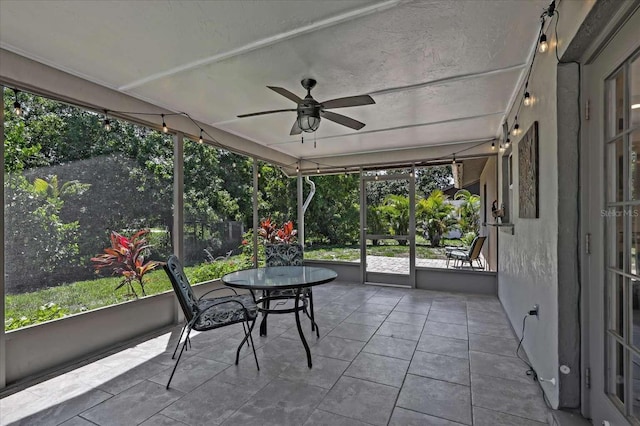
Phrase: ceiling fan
pixel 310 111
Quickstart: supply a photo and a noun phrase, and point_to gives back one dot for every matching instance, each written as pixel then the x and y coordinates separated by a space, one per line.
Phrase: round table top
pixel 279 277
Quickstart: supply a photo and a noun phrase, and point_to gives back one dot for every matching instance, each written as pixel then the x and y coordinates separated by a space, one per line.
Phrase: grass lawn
pixel 390 249
pixel 92 294
pixel 83 296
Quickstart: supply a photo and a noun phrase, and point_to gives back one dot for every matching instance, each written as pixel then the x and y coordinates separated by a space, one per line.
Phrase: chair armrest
pixel 216 289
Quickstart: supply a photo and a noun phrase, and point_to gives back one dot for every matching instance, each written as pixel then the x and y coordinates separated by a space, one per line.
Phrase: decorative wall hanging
pixel 528 173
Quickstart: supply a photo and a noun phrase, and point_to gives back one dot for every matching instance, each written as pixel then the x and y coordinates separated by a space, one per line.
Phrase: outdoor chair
pixel 211 313
pixel 460 256
pixel 290 255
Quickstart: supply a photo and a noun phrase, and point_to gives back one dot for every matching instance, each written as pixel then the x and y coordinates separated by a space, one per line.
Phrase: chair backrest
pixel 476 246
pixel 181 286
pixel 284 254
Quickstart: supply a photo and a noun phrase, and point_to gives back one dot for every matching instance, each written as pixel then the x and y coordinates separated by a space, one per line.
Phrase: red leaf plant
pixel 270 232
pixel 126 258
pixel 287 234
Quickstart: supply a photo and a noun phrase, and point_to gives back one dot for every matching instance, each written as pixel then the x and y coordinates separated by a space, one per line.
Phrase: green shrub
pixel 213 270
pixel 46 312
pixel 467 238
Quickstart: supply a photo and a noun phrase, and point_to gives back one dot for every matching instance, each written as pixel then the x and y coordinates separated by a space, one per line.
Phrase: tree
pixel 469 211
pixel 396 209
pixel 428 179
pixel 435 214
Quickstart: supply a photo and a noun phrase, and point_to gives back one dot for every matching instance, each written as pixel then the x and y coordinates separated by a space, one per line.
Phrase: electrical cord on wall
pixel 531 371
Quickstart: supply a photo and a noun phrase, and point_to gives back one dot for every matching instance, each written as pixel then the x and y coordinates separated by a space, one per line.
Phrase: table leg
pixel 304 341
pixel 263 323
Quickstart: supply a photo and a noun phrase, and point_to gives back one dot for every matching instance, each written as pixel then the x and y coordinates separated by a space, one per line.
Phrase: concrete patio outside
pixel 386 356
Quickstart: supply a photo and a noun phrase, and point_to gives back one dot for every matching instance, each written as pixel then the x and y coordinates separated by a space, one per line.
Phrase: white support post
pixel 412 227
pixel 300 209
pixel 256 219
pixel 3 352
pixel 178 207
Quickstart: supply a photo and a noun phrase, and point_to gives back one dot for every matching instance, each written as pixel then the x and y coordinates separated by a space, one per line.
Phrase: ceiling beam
pixel 445 80
pixel 267 41
pixel 387 129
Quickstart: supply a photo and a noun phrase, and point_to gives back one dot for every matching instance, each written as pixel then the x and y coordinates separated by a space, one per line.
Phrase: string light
pixel 516 129
pixel 297 167
pixel 164 125
pixel 318 168
pixel 201 141
pixel 106 123
pixel 376 176
pixel 543 46
pixel 17 108
pixel 527 99
pixel 507 143
pixel 454 159
pixel 501 148
pixel 493 146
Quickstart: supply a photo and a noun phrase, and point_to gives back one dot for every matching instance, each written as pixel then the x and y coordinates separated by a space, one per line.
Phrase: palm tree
pixel 396 209
pixel 469 211
pixel 435 213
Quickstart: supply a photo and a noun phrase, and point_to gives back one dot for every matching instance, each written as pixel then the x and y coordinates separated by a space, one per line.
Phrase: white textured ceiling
pixel 214 59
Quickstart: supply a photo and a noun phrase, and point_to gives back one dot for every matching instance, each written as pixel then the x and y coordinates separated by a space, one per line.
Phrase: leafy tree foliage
pixel 434 214
pixel 469 211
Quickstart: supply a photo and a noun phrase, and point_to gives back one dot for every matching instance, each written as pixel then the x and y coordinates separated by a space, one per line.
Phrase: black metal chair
pixel 290 255
pixel 211 313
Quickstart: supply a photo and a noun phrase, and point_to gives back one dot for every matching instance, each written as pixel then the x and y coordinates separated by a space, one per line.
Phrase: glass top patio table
pixel 279 277
pixel 273 278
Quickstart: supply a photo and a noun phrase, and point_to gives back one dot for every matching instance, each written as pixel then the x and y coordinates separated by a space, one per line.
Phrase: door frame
pixel 391 279
pixel 615 45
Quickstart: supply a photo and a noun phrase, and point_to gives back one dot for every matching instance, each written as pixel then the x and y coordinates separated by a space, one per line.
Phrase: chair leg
pixel 184 345
pixel 253 346
pixel 247 337
pixel 179 339
pixel 245 331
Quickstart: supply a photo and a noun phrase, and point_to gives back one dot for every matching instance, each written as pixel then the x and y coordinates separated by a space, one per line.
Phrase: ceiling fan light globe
pixel 308 123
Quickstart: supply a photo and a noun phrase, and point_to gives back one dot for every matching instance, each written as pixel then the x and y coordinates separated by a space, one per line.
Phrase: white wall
pixel 528 259
pixel 490 247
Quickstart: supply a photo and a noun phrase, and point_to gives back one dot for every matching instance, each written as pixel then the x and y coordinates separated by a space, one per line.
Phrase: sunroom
pixel 453 162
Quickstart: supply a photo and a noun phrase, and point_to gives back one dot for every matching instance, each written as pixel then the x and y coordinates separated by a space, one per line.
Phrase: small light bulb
pixel 107 125
pixel 527 99
pixel 164 125
pixel 233 164
pixel 259 175
pixel 199 140
pixel 454 159
pixel 543 46
pixel 17 109
pixel 376 176
pixel 507 143
pixel 501 148
pixel 410 174
pixel 297 169
pixel 318 169
pixel 493 146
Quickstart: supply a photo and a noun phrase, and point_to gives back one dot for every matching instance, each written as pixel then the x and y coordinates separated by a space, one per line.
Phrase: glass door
pixel 388 227
pixel 612 214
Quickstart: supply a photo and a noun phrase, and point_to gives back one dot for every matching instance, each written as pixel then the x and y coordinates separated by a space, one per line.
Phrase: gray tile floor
pixel 386 356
